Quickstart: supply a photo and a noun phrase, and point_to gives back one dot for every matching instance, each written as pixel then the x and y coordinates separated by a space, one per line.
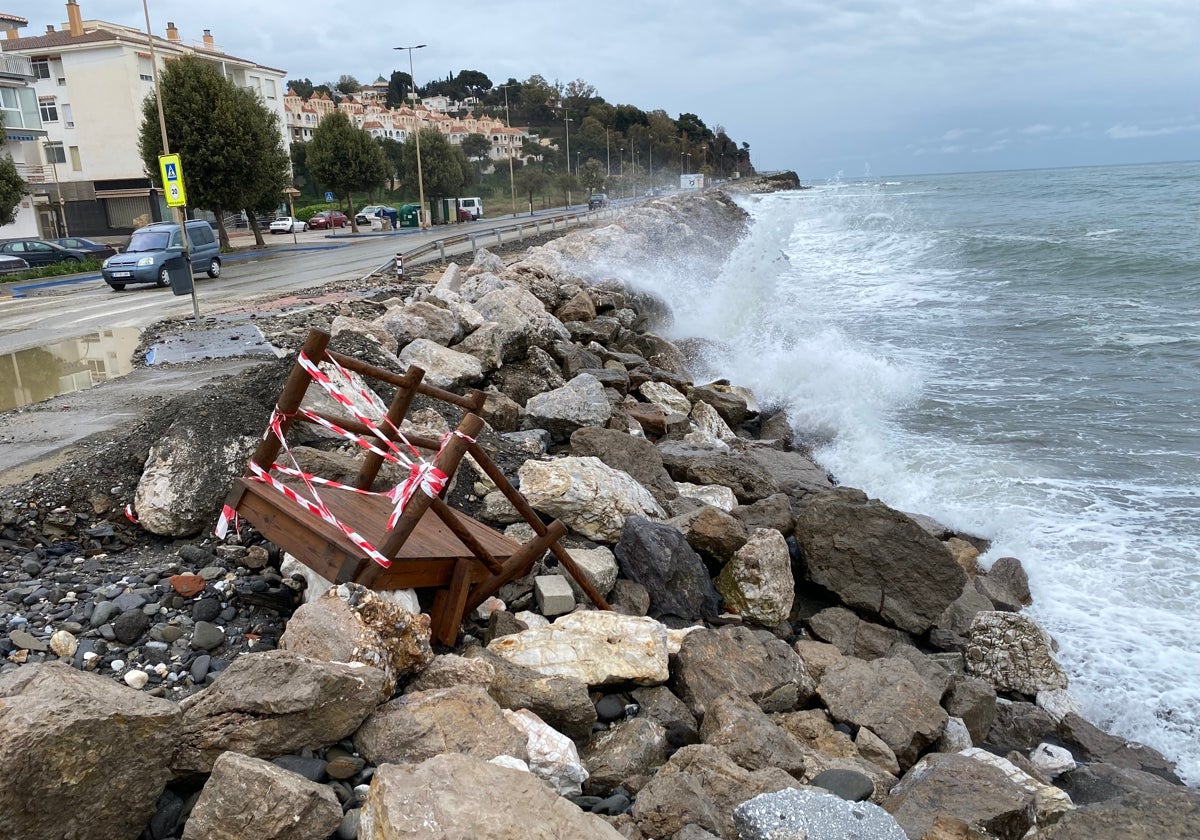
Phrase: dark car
pixel 597 200
pixel 10 264
pixel 38 252
pixel 95 250
pixel 328 219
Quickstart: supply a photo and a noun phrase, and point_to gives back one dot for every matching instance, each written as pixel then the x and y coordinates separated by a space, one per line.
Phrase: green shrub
pixel 54 270
pixel 306 213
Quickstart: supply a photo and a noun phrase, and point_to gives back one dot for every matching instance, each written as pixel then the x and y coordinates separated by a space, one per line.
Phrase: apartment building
pixel 90 78
pixel 24 135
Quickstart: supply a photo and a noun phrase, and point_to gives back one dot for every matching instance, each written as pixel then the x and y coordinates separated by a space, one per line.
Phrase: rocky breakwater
pixel 785 657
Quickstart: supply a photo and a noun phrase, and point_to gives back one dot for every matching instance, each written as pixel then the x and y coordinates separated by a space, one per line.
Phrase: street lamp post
pixel 62 205
pixel 180 212
pixel 420 175
pixel 512 182
pixel 652 163
pixel 567 133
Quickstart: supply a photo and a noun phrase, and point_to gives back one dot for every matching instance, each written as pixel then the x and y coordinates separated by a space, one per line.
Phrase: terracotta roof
pixel 14 19
pixel 63 38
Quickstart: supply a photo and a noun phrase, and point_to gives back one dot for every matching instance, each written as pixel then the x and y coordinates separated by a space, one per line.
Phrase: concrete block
pixel 553 594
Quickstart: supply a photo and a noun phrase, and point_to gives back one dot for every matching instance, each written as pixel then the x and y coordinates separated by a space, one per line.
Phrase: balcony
pixel 34 174
pixel 16 67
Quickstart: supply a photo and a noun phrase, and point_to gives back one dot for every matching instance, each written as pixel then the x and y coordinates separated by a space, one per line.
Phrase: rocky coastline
pixel 785 658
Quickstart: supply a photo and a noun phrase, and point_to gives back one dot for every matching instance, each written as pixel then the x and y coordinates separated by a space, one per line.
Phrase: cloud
pixel 1123 131
pixel 958 133
pixel 1039 128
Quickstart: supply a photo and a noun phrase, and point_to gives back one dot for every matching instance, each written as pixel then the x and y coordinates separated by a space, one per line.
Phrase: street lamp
pixel 567 132
pixel 651 163
pixel 420 177
pixel 512 183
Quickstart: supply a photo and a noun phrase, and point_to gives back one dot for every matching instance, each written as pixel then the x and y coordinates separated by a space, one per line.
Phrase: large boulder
pixel 454 796
pixel 635 456
pixel 876 559
pixel 422 724
pixel 718 464
pixel 596 647
pixel 350 623
pixel 444 368
pixel 561 701
pixel 794 472
pixel 757 584
pixel 701 786
pixel 813 815
pixel 523 318
pixel 248 797
pixel 1013 653
pixel 888 697
pixel 1132 816
pixel 625 755
pixel 581 402
pixel 735 724
pixel 552 755
pixel 271 703
pixel 658 557
pixel 65 737
pixel 952 785
pixel 711 663
pixel 589 496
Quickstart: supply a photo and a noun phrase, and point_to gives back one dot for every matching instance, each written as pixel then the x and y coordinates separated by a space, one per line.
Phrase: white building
pixel 91 78
pixel 24 136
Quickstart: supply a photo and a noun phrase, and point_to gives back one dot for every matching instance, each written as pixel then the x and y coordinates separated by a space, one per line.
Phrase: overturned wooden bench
pixel 407 537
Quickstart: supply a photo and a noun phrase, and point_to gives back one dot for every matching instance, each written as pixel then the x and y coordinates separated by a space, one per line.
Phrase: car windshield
pixel 148 240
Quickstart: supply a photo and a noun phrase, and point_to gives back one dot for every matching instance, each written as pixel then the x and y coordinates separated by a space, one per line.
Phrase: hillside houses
pixel 367 111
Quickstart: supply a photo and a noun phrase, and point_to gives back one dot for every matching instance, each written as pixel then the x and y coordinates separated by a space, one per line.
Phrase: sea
pixel 1016 354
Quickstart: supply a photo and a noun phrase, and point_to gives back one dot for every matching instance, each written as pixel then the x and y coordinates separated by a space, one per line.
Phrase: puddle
pixel 215 343
pixel 42 373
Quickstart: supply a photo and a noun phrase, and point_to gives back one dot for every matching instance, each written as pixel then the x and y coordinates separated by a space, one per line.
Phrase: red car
pixel 327 219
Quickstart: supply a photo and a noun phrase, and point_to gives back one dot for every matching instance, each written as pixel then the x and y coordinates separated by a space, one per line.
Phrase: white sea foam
pixel 867 333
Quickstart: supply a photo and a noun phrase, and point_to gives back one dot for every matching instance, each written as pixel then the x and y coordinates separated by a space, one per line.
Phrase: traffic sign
pixel 171 169
pixel 329 198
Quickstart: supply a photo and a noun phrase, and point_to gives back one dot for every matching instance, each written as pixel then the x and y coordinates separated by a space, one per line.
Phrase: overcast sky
pixel 819 86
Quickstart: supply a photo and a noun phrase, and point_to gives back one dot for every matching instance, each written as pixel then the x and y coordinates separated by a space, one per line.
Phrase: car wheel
pixel 117 287
pixel 214 268
pixel 164 278
pixel 72 260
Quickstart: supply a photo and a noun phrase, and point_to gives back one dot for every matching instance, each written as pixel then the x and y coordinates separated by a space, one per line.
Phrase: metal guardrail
pixel 538 226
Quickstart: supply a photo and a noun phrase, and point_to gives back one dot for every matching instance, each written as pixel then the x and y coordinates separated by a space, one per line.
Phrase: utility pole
pixel 512 182
pixel 420 177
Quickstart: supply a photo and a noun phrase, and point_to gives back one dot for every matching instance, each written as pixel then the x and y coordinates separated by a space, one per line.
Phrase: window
pixel 49 110
pixel 41 68
pixel 76 163
pixel 19 107
pixel 55 153
pixel 68 119
pixel 145 68
pixel 269 88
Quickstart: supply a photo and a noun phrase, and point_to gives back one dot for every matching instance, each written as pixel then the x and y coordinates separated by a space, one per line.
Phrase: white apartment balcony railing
pixel 16 65
pixel 35 174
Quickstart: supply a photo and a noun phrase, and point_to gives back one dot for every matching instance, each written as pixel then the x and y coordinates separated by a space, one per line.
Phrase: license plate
pixel 122 274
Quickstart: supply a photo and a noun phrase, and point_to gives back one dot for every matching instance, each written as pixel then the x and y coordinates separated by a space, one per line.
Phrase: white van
pixel 472 205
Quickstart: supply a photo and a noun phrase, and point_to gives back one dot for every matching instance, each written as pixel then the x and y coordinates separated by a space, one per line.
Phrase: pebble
pixel 187 585
pixel 207 636
pixel 24 640
pixel 117 665
pixel 63 644
pixel 136 678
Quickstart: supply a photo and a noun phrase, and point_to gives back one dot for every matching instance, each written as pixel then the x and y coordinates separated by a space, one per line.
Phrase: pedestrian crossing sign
pixel 172 178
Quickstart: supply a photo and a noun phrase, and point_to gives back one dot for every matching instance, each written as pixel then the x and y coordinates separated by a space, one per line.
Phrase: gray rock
pixel 738 727
pixel 658 557
pixel 207 636
pixel 581 402
pixel 56 724
pixel 876 559
pixel 849 785
pixel 624 756
pixel 562 702
pixel 1006 585
pixel 741 473
pixel 1133 816
pixel 249 797
pixel 813 815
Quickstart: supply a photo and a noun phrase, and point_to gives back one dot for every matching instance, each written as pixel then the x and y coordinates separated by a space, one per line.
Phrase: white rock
pixel 531 619
pixel 444 368
pixel 707 421
pixel 710 494
pixel 589 496
pixel 1052 760
pixel 316 586
pixel 1058 703
pixel 955 736
pixel 118 665
pixel 597 647
pixel 598 565
pixel 552 755
pixel 510 762
pixel 1012 652
pixel 137 679
pixel 484 611
pixel 666 397
pixel 63 644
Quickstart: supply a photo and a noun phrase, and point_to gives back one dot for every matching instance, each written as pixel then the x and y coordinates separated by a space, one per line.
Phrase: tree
pixel 399 87
pixel 12 188
pixel 230 143
pixel 393 153
pixel 302 87
pixel 345 159
pixel 578 96
pixel 530 180
pixel 592 175
pixel 538 98
pixel 348 84
pixel 444 168
pixel 474 83
pixel 476 147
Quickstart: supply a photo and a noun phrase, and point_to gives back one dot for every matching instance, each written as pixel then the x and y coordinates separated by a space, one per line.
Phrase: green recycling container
pixel 410 215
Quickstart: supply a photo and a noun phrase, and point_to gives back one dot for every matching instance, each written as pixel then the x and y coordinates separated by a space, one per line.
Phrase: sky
pixel 826 88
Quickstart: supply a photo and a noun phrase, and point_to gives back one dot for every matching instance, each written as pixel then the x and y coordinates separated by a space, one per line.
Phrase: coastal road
pixel 54 312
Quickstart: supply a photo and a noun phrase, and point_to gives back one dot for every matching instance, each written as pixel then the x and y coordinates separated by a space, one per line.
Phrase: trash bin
pixel 410 215
pixel 181 275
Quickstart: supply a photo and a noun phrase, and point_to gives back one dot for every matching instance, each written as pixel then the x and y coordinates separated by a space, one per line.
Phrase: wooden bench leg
pixel 450 603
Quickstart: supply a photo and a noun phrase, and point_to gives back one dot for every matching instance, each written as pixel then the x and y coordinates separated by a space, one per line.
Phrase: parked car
pixel 10 264
pixel 150 248
pixel 364 216
pixel 38 252
pixel 327 219
pixel 95 250
pixel 287 224
pixel 596 200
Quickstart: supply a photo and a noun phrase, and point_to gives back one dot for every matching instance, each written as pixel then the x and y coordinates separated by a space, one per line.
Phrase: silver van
pixel 144 258
pixel 474 206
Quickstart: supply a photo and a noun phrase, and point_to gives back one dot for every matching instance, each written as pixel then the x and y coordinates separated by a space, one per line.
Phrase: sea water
pixel 1016 354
